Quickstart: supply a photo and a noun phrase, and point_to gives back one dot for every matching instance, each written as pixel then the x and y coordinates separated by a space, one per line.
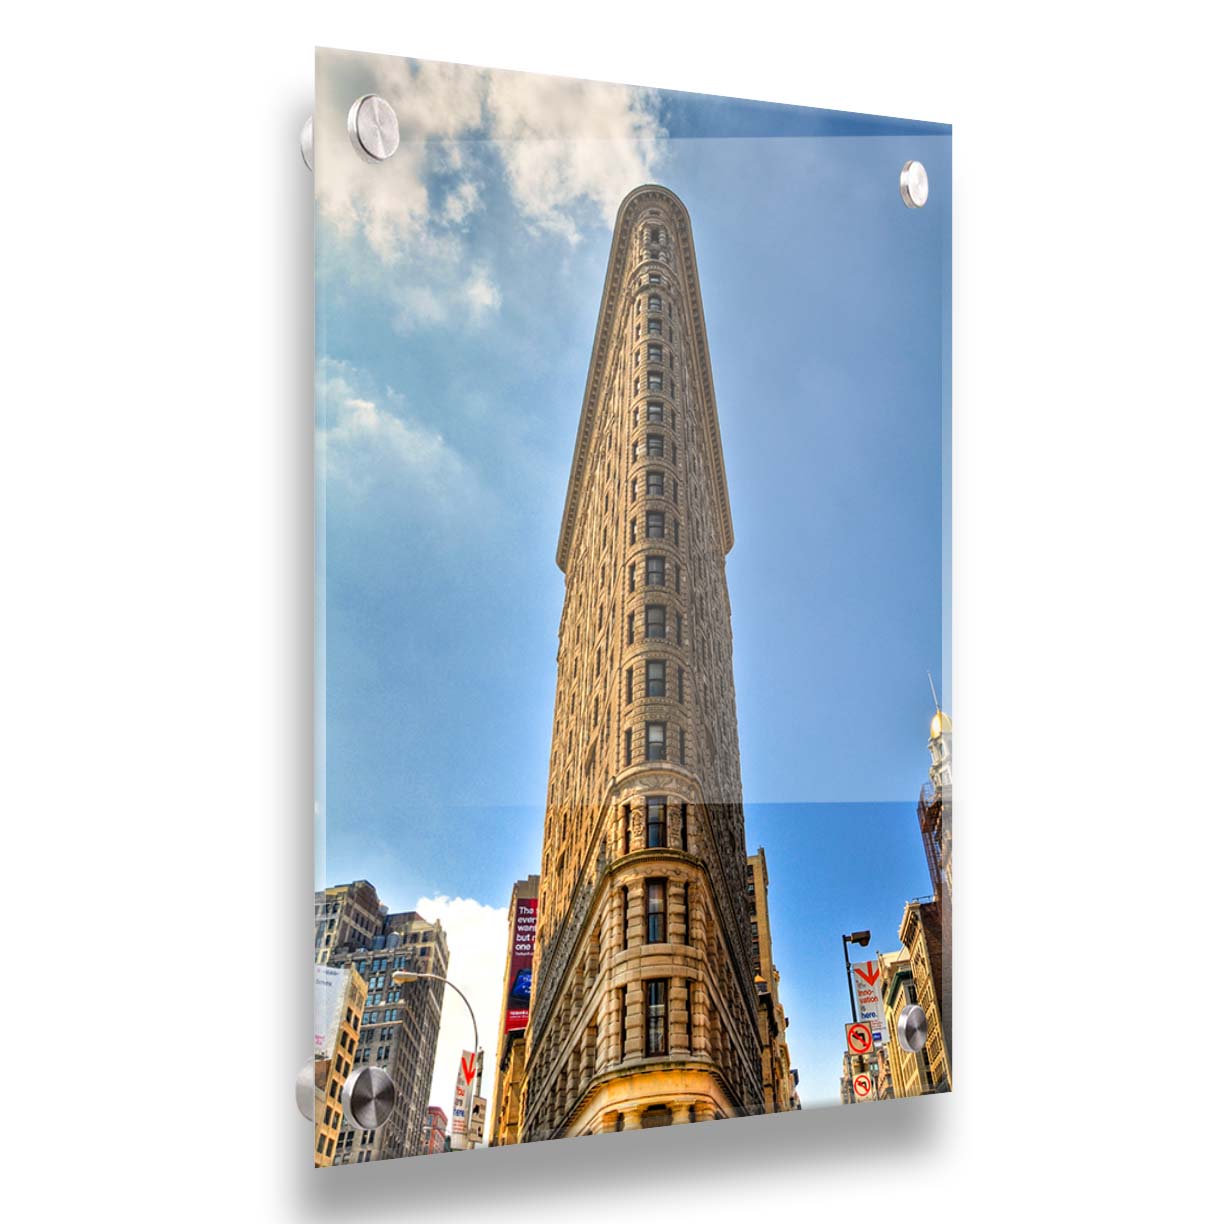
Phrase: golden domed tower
pixel 940 747
pixel 935 805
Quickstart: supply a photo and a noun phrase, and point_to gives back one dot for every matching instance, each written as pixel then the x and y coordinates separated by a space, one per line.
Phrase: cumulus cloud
pixel 366 441
pixel 388 204
pixel 569 145
pixel 567 152
pixel 476 935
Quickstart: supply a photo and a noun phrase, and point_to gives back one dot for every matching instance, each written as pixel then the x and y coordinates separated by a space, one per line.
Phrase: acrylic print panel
pixel 633 560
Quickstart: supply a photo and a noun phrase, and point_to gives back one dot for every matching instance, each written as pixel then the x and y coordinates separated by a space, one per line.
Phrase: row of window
pixel 656 744
pixel 656 681
pixel 654 486
pixel 655 991
pixel 656 573
pixel 656 825
pixel 654 382
pixel 656 527
pixel 656 624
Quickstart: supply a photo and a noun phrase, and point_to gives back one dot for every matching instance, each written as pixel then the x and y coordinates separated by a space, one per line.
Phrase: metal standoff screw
pixel 368 1097
pixel 306 140
pixel 914 184
pixel 912 1028
pixel 304 1091
pixel 373 128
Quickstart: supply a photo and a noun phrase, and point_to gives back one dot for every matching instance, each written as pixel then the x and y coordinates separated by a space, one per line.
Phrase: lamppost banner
pixel 463 1096
pixel 867 978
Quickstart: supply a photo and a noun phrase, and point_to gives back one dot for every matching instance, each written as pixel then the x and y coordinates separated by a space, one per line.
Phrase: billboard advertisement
pixel 518 997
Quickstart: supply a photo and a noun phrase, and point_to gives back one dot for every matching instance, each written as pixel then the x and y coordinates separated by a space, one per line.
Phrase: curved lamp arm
pixel 408 975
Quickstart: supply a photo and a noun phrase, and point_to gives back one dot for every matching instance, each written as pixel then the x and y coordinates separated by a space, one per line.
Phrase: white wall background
pixel 155 617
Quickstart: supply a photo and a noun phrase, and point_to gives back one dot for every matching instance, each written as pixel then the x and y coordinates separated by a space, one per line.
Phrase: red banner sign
pixel 518 998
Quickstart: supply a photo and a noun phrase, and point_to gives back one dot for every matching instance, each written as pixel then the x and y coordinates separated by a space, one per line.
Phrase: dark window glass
pixel 684 846
pixel 632 530
pixel 656 570
pixel 675 529
pixel 656 911
pixel 656 741
pixel 628 747
pixel 680 685
pixel 656 678
pixel 654 352
pixel 628 683
pixel 681 747
pixel 656 821
pixel 633 490
pixel 654 415
pixel 624 917
pixel 654 380
pixel 655 525
pixel 632 576
pixel 654 327
pixel 656 622
pixel 654 484
pixel 656 1016
pixel 625 812
pixel 654 304
pixel 654 446
pixel 679 630
pixel 631 627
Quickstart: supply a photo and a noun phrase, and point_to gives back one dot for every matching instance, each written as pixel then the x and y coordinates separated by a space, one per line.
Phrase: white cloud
pixel 476 935
pixel 569 150
pixel 482 294
pixel 365 443
pixel 569 144
pixel 388 204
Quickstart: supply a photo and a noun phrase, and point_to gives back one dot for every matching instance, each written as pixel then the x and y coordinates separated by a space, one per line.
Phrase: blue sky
pixel 457 291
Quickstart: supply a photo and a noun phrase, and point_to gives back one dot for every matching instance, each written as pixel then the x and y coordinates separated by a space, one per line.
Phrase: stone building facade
pixel 644 1009
pixel 333 1063
pixel 779 1079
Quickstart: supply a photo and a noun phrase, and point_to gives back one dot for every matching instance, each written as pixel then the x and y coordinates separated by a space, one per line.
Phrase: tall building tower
pixel 644 1010
pixel 399 1024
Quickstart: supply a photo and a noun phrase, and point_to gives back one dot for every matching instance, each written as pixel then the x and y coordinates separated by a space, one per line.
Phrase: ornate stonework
pixel 644 1010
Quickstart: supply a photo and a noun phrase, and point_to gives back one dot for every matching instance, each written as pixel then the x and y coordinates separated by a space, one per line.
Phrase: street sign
pixel 864 1087
pixel 477 1124
pixel 858 1038
pixel 867 978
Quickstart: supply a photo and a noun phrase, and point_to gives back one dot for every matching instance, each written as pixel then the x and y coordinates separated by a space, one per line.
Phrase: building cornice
pixel 686 272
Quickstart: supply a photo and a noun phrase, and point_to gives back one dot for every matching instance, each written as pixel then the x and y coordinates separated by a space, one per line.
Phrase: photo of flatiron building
pixel 644 1007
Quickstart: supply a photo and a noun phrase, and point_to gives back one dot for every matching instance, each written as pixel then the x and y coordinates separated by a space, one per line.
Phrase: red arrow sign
pixel 862 1085
pixel 469 1069
pixel 872 976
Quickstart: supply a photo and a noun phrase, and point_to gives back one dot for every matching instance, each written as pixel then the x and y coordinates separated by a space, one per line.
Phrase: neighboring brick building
pixel 644 1010
pixel 435 1130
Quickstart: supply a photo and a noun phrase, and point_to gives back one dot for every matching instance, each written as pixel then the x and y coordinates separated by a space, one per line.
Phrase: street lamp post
pixel 402 976
pixel 862 938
